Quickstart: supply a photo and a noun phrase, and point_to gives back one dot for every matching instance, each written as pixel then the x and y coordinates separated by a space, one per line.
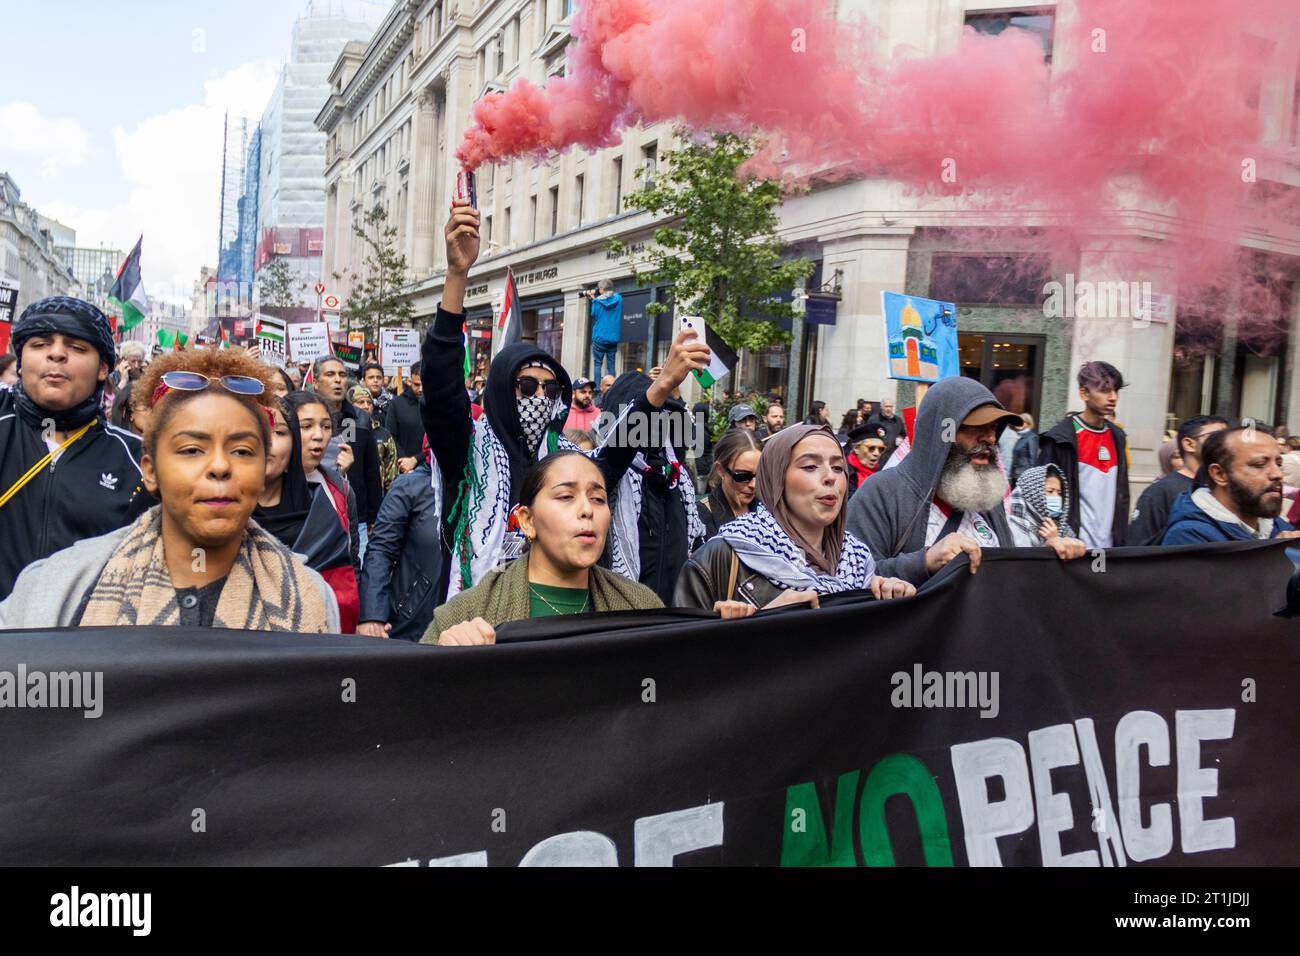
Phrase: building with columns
pixel 399 105
pixel 31 261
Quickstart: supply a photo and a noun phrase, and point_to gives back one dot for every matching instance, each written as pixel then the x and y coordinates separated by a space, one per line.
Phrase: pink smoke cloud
pixel 1146 105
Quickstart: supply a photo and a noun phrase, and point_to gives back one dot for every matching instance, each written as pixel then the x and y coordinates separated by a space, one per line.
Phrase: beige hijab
pixel 778 451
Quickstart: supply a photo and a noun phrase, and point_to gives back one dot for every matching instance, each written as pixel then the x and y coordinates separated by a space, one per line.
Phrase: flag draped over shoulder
pixel 128 290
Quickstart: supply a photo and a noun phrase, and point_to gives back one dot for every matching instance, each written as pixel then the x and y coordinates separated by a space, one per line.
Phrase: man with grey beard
pixel 944 498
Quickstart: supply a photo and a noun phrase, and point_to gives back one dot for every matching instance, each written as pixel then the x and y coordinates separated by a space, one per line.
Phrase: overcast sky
pixel 111 115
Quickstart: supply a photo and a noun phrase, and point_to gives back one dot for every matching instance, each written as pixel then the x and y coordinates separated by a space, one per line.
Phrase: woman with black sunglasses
pixel 196 559
pixel 732 480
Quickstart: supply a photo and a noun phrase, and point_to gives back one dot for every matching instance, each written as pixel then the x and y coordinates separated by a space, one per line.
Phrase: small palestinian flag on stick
pixel 223 337
pixel 721 358
pixel 128 290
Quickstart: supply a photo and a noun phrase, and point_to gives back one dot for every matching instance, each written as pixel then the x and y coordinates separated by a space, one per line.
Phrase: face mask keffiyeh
pixel 763 545
pixel 534 414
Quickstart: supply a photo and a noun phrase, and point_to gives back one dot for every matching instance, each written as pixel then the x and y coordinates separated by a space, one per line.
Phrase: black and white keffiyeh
pixel 535 414
pixel 624 536
pixel 763 545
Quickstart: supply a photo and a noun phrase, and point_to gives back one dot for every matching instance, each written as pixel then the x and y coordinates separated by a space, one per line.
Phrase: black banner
pixel 1135 707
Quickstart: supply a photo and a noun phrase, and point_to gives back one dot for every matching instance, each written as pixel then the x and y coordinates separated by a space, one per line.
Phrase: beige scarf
pixel 266 590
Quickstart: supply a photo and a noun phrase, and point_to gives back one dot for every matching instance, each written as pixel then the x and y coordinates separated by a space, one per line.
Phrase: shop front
pixel 543 322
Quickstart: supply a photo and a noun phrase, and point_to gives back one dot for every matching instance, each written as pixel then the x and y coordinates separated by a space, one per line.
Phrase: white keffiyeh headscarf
pixel 763 545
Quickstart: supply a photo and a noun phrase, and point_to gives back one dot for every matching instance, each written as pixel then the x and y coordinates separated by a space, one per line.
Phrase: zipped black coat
pixel 94 487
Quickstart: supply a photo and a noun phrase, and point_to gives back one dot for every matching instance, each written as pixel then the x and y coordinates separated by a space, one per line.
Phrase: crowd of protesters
pixel 206 488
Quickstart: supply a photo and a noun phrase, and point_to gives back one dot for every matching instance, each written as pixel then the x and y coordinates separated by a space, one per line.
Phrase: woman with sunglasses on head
pixel 483 463
pixel 196 559
pixel 732 491
pixel 315 428
pixel 794 545
pixel 564 515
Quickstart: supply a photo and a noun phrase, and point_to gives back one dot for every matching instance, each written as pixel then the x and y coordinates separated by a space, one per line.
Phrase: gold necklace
pixel 538 594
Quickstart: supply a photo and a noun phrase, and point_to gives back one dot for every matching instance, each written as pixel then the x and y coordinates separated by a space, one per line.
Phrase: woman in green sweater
pixel 564 513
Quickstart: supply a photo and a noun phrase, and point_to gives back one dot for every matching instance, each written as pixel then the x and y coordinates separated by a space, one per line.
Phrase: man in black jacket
pixel 89 481
pixel 1092 451
pixel 1151 516
pixel 353 426
pixel 403 561
pixel 404 423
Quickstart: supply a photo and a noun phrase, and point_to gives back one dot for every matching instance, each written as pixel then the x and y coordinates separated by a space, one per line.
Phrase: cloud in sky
pixel 53 143
pixel 171 167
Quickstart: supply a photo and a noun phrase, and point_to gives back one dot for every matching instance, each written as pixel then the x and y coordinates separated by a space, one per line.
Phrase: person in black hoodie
pixel 655 523
pixel 404 423
pixel 65 473
pixel 481 465
pixel 1092 452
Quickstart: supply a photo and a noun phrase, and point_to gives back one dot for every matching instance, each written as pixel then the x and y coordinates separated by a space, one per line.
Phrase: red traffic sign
pixel 331 302
pixel 320 288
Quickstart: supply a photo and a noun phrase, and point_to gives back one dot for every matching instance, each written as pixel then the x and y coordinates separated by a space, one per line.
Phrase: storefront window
pixel 550 329
pixel 1010 366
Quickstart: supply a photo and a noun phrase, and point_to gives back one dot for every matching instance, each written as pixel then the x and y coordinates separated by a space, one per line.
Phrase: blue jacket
pixel 403 558
pixel 1188 524
pixel 607 319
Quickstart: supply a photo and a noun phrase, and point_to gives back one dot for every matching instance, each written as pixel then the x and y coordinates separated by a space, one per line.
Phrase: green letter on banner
pixel 902 773
pixel 806 844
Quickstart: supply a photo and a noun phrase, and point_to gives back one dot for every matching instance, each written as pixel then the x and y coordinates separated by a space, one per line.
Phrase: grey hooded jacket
pixel 891 511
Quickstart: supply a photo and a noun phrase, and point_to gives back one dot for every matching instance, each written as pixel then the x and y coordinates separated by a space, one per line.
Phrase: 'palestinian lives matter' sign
pixel 1132 708
pixel 308 341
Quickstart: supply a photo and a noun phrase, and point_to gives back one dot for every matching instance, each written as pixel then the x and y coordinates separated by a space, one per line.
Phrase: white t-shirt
pixel 972 526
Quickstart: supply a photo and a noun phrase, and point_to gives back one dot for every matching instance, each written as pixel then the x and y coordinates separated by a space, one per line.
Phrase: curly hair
pixel 214 363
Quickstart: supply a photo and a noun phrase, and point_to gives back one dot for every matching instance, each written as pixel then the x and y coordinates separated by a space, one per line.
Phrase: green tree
pixel 277 285
pixel 718 249
pixel 378 297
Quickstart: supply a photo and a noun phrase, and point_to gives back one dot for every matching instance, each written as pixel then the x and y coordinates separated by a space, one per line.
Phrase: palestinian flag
pixel 510 323
pixel 464 331
pixel 167 339
pixel 223 337
pixel 128 290
pixel 269 328
pixel 721 358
